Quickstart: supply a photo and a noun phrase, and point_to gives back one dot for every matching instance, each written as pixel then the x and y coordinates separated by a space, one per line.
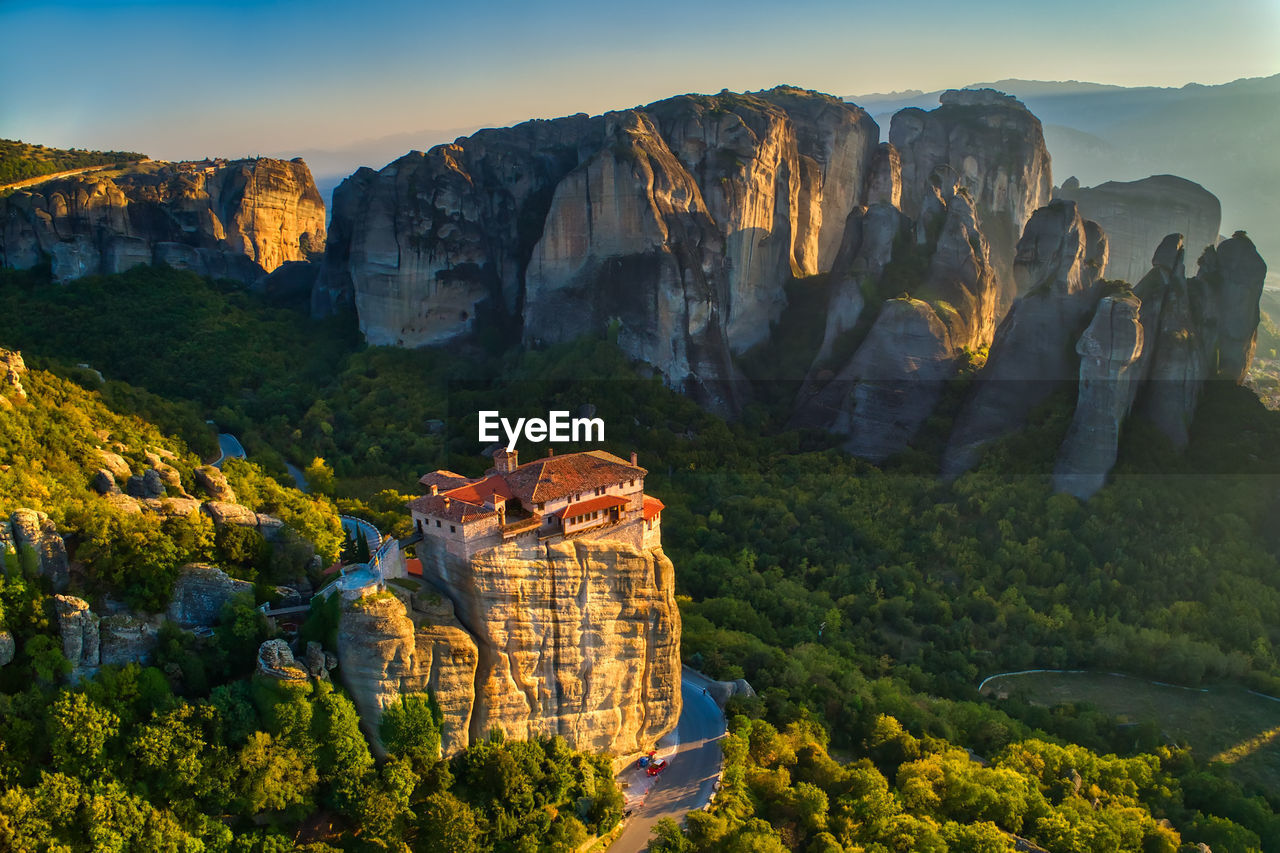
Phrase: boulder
pixel 104 484
pixel 153 485
pixel 214 484
pixel 200 593
pixel 34 531
pixel 115 464
pixel 319 662
pixel 228 513
pixel 171 507
pixel 275 660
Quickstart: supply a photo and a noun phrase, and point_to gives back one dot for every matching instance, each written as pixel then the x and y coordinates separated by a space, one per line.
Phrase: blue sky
pixel 276 76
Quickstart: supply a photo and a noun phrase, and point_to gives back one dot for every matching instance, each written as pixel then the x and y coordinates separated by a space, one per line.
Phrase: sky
pixel 181 80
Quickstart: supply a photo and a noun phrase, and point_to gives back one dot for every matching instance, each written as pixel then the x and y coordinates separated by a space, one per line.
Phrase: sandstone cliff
pixel 579 639
pixel 1137 215
pixel 386 649
pixel 680 221
pixel 234 219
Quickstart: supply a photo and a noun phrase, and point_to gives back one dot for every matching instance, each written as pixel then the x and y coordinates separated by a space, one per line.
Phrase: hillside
pixel 22 160
pixel 868 600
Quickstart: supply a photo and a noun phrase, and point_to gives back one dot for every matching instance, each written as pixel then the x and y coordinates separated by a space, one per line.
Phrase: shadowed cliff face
pixel 1137 215
pixel 234 219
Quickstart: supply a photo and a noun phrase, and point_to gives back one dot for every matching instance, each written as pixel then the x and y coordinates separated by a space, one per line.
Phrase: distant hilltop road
pixel 40 179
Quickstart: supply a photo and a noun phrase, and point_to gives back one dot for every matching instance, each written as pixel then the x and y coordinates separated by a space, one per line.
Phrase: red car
pixel 656 766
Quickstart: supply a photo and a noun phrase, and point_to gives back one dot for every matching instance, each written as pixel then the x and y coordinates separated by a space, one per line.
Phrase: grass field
pixel 1225 724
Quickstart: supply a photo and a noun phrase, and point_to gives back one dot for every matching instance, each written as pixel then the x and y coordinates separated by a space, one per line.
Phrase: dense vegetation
pixel 21 160
pixel 864 604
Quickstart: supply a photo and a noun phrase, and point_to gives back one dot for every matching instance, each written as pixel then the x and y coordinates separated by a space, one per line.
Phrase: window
pixel 419 525
pixel 541 504
pixel 437 522
pixel 452 529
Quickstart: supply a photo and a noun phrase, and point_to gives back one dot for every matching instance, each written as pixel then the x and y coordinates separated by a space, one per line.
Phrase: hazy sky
pixel 235 77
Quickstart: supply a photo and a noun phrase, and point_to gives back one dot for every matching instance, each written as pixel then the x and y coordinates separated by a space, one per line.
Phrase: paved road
pixel 230 447
pixel 53 176
pixel 687 783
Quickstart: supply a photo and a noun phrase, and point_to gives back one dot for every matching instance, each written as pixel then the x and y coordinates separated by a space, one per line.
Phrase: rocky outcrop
pixel 34 533
pixel 7 648
pixel 78 628
pixel 11 369
pixel 991 144
pixel 893 382
pixel 234 219
pixel 387 649
pixel 1137 215
pixel 1111 354
pixel 214 484
pixel 275 661
pixel 1060 261
pixel 199 594
pixel 128 638
pixel 884 394
pixel 1207 327
pixel 678 223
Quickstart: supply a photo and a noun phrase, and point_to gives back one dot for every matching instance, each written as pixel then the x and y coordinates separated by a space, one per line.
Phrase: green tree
pixel 79 733
pixel 411 728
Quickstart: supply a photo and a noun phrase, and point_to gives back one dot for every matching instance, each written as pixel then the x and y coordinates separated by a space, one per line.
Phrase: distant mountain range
pixel 1222 137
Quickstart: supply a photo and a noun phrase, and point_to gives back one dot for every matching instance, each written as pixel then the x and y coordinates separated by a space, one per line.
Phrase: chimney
pixel 633 458
pixel 505 461
pixel 551 451
pixel 435 489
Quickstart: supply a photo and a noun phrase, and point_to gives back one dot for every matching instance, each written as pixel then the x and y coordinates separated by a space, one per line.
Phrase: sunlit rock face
pixel 579 638
pixel 229 219
pixel 678 223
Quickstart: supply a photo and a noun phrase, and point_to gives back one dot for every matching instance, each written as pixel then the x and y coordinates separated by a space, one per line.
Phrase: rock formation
pixel 1111 354
pixel 28 532
pixel 679 222
pixel 128 638
pixel 78 627
pixel 199 594
pixel 1137 215
pixel 234 219
pixel 1060 260
pixel 214 484
pixel 275 660
pixel 11 369
pixel 577 638
pixel 882 396
pixel 991 144
pixel 386 649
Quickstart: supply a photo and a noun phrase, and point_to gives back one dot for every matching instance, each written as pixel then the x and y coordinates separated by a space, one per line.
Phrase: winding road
pixel 685 785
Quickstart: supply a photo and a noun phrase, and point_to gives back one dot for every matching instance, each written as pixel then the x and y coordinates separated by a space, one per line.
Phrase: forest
pixel 21 160
pixel 864 604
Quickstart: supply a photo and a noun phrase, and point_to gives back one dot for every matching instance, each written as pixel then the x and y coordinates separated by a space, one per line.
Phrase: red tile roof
pixel 592 505
pixel 413 566
pixel 443 480
pixel 440 506
pixel 652 506
pixel 555 477
pixel 480 491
